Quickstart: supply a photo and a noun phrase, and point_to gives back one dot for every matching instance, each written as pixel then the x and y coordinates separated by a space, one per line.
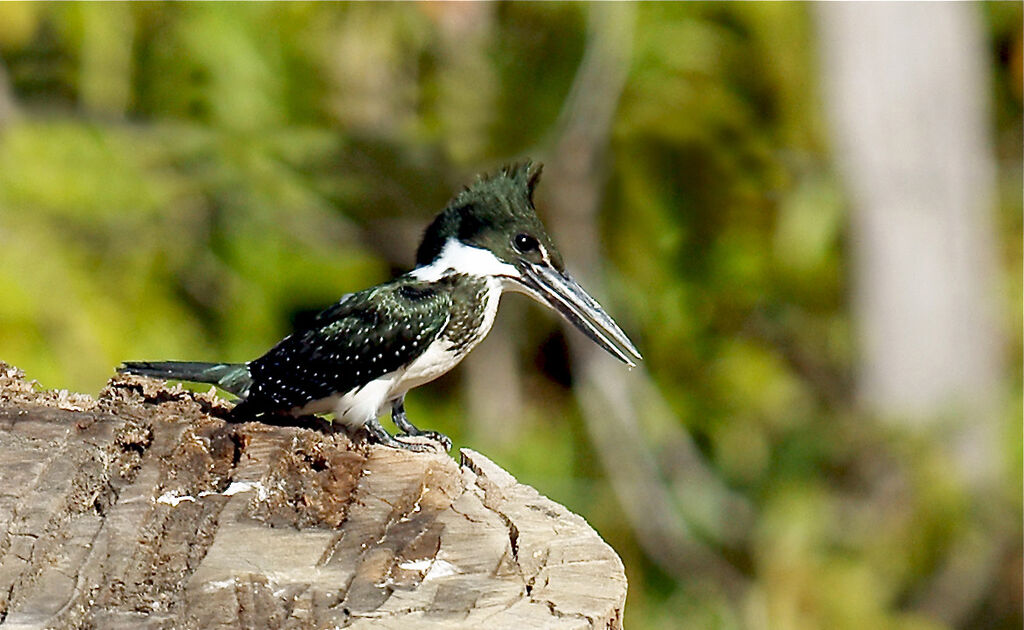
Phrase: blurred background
pixel 807 217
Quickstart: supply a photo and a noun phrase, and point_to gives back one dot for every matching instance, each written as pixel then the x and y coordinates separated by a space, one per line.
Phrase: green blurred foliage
pixel 187 180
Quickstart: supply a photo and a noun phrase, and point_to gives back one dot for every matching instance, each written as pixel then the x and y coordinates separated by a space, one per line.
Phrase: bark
pixel 144 508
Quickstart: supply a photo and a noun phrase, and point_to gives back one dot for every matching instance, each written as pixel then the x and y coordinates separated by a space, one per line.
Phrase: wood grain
pixel 145 508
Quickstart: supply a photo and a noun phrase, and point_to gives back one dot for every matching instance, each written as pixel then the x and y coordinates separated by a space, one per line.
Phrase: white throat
pixel 457 257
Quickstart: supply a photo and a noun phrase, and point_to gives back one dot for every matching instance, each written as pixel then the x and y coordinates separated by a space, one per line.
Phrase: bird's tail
pixel 231 377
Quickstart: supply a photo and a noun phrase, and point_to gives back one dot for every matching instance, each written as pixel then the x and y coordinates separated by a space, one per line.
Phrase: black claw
pixel 416 447
pixel 438 437
pixel 408 428
pixel 378 434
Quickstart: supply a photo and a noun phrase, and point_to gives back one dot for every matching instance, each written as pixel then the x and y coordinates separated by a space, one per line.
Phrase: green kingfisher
pixel 362 354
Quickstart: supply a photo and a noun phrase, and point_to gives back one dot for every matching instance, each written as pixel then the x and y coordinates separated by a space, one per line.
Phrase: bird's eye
pixel 524 243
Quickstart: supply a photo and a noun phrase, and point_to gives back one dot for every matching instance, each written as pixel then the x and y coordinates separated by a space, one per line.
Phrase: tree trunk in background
pixel 467 103
pixel 7 106
pixel 374 90
pixel 660 502
pixel 106 59
pixel 468 86
pixel 494 392
pixel 907 88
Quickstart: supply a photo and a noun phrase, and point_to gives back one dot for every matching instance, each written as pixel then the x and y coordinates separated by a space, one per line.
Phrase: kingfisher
pixel 361 355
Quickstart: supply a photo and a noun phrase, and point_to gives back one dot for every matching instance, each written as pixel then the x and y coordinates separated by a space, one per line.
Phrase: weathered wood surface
pixel 145 509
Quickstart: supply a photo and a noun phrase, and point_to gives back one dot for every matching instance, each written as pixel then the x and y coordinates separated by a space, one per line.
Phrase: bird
pixel 361 355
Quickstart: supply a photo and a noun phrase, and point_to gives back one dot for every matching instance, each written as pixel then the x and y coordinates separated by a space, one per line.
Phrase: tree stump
pixel 145 508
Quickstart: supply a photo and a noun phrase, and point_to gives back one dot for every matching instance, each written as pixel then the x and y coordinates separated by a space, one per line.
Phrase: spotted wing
pixel 361 338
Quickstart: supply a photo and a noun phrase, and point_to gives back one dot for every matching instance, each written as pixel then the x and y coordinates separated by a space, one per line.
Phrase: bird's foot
pixel 381 436
pixel 407 428
pixel 440 438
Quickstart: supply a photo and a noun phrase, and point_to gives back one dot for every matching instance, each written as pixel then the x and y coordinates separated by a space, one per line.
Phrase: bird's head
pixel 491 229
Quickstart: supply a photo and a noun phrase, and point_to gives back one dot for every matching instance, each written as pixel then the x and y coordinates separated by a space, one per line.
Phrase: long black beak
pixel 565 295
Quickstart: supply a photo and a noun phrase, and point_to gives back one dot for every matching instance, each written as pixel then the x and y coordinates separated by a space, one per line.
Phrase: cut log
pixel 145 508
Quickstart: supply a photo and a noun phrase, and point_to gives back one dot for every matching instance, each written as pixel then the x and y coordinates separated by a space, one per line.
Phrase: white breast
pixel 359 406
pixel 439 356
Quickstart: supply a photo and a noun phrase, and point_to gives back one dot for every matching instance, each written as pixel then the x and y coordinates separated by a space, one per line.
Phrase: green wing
pixel 362 337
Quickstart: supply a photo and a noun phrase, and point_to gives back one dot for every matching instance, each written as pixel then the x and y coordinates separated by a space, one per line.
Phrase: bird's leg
pixel 408 428
pixel 381 436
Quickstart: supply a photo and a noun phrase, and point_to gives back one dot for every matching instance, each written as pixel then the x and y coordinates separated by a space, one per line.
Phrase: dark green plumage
pixel 231 377
pixel 363 337
pixel 365 352
pixel 487 213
